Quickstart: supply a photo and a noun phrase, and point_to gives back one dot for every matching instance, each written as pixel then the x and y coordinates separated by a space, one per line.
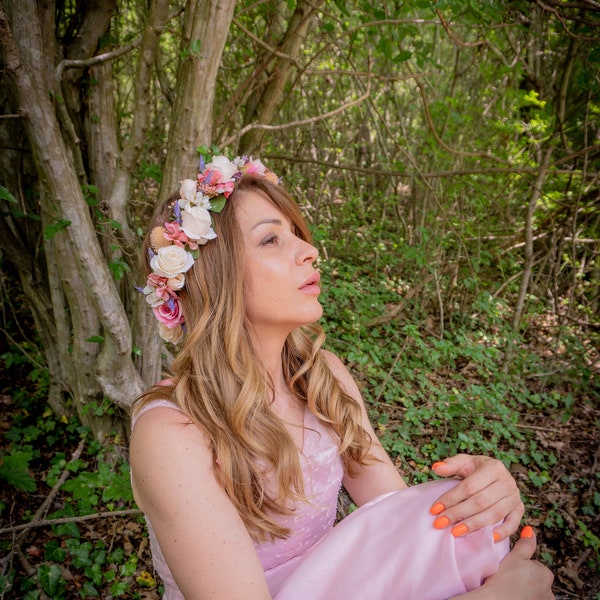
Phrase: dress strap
pixel 153 404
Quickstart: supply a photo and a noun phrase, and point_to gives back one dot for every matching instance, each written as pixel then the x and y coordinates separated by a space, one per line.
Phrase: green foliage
pixel 54 227
pixel 418 197
pixel 108 484
pixel 592 541
pixel 14 468
pixel 97 482
pixel 453 392
pixel 6 195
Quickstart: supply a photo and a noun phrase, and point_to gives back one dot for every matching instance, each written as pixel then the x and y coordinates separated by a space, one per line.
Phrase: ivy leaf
pixel 6 195
pixel 95 339
pixel 402 56
pixel 14 469
pixel 51 230
pixel 51 579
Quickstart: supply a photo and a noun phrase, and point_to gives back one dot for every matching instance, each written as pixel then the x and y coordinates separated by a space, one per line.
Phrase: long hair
pixel 219 383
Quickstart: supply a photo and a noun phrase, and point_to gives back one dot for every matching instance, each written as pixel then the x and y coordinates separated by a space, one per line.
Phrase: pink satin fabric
pixel 387 549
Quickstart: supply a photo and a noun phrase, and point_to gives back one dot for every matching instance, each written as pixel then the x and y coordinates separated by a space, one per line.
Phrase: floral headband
pixel 174 246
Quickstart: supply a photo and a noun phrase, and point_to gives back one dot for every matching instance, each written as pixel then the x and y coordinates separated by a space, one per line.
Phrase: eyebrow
pixel 267 222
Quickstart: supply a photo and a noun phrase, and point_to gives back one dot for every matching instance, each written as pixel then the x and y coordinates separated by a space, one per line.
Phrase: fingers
pixel 469 516
pixel 520 577
pixel 509 525
pixel 487 495
pixel 526 544
pixel 461 465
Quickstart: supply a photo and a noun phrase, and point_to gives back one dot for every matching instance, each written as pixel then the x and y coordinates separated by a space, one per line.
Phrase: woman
pixel 238 458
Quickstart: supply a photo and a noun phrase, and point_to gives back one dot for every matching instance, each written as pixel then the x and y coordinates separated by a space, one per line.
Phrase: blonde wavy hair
pixel 218 382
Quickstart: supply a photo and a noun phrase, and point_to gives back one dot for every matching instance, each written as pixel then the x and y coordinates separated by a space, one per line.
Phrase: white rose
pixel 170 334
pixel 195 222
pixel 187 189
pixel 170 261
pixel 224 165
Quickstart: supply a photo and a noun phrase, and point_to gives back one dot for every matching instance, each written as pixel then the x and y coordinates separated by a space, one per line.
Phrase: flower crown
pixel 174 246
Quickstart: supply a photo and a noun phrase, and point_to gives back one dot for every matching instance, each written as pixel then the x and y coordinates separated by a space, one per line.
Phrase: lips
pixel 312 283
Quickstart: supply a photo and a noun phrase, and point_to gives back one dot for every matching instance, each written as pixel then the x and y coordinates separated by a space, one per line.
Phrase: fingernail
pixel 437 508
pixel 527 532
pixel 435 465
pixel 496 536
pixel 459 530
pixel 441 522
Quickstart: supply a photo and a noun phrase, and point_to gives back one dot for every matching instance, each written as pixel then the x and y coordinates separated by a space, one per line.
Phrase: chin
pixel 315 316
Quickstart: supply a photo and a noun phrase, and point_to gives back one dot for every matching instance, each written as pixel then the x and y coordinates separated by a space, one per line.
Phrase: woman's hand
pixel 519 577
pixel 487 494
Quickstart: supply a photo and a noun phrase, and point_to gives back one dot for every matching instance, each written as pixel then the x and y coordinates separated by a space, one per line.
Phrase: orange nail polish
pixel 435 465
pixel 496 536
pixel 459 530
pixel 527 532
pixel 441 522
pixel 437 508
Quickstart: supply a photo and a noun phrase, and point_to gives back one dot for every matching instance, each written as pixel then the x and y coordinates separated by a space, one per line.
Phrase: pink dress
pixel 387 549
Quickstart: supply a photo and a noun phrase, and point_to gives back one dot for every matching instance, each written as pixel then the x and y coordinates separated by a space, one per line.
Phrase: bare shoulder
pixel 166 448
pixel 341 373
pixel 166 424
pixel 333 360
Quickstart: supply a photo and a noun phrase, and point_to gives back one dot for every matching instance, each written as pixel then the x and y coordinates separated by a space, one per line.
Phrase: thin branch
pixel 386 79
pixel 77 519
pixel 266 46
pixel 563 20
pixel 441 142
pixel 427 175
pixel 45 506
pixel 446 26
pixel 31 572
pixel 93 60
pixel 30 358
pixel 300 122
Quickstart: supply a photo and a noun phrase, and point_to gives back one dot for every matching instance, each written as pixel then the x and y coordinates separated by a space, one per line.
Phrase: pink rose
pixel 254 167
pixel 169 313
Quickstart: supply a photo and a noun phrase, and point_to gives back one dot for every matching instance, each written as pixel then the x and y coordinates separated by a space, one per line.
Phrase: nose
pixel 307 253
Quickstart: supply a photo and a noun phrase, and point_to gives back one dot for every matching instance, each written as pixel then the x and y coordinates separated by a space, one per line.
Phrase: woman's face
pixel 281 285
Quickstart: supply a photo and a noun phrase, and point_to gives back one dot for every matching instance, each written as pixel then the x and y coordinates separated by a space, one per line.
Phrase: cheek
pixel 255 293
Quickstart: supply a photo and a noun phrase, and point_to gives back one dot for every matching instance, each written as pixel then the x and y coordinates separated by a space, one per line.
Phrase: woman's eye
pixel 271 239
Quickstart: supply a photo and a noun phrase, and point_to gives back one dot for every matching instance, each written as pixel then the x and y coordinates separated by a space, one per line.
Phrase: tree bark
pixel 262 106
pixel 89 280
pixel 130 155
pixel 206 23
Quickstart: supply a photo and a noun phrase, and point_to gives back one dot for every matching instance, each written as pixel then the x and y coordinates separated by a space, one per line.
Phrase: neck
pixel 268 349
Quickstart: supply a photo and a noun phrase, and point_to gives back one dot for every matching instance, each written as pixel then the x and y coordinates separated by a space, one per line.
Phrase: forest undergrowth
pixel 69 526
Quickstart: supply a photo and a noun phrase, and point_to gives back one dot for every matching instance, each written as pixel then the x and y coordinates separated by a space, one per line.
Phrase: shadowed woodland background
pixel 446 155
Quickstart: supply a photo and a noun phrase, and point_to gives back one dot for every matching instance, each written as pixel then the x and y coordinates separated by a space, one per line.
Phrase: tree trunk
pixel 84 275
pixel 206 23
pixel 528 258
pixel 261 106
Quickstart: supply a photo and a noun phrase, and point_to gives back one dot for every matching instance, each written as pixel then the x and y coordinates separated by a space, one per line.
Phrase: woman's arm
pixel 486 495
pixel 204 541
pixel 518 578
pixel 380 476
